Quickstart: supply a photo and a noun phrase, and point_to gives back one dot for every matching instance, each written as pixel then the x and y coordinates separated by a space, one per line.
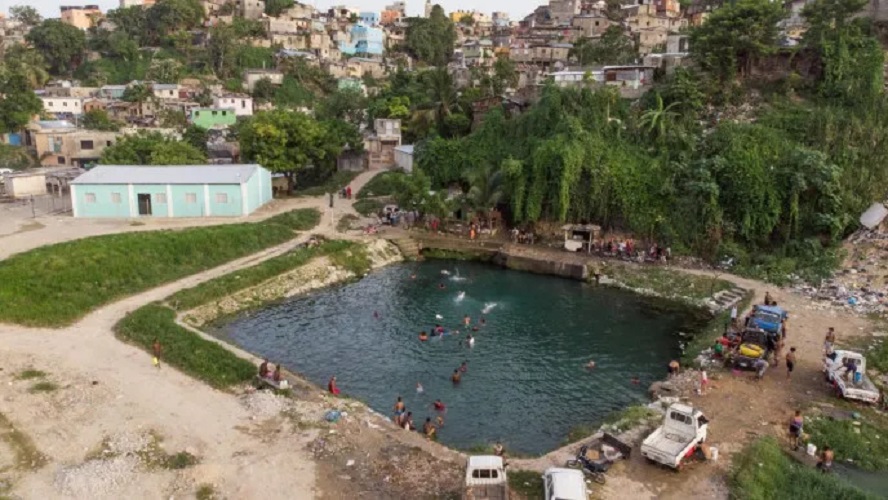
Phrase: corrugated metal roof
pixel 174 174
pixel 406 148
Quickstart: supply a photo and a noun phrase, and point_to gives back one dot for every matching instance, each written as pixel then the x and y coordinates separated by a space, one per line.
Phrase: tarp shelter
pixel 874 215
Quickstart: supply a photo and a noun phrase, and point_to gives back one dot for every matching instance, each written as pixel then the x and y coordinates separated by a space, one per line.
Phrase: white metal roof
pixel 486 462
pixel 567 484
pixel 174 174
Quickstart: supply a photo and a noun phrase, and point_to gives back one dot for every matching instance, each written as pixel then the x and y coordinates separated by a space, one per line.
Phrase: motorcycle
pixel 594 469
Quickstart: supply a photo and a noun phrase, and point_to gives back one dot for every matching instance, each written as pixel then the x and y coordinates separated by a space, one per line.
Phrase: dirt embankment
pixel 317 273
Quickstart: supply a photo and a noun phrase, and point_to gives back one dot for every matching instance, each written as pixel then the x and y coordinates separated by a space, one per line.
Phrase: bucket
pixel 714 452
pixel 812 450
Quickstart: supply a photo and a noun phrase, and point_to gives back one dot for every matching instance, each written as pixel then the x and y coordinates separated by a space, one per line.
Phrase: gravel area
pixel 264 404
pixel 97 478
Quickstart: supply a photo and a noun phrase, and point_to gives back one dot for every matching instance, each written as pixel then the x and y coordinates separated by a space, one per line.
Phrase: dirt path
pixel 741 409
pixel 108 389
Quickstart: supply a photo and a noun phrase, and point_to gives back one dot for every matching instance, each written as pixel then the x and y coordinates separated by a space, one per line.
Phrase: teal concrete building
pixel 129 191
pixel 207 118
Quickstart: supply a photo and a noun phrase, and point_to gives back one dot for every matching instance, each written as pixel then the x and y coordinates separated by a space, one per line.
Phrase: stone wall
pixel 317 273
pixel 543 266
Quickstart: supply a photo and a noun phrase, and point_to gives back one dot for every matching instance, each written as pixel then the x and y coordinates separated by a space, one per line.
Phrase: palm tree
pixel 656 120
pixel 486 188
pixel 439 88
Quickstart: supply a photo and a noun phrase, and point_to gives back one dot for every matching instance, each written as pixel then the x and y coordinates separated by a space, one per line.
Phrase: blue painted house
pixel 364 40
pixel 174 191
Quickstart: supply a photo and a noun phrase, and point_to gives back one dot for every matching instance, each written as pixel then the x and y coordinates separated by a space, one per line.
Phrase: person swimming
pixel 482 321
pixel 467 320
pixel 455 378
pixel 419 389
pixel 439 420
pixel 429 429
pixel 464 367
pixel 439 406
pixel 590 365
pixel 423 336
pixel 470 340
pixel 376 314
pixel 636 380
pixel 439 329
pixel 441 286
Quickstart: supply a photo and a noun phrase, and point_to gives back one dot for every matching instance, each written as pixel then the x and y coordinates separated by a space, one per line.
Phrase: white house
pixel 165 90
pixel 242 104
pixel 404 158
pixel 73 105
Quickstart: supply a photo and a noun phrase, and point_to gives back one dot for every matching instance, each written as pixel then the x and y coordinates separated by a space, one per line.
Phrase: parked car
pixel 683 430
pixel 753 346
pixel 564 484
pixel 857 386
pixel 768 318
pixel 486 478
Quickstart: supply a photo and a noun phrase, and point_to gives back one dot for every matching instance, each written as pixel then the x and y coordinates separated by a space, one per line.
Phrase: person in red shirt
pixel 331 386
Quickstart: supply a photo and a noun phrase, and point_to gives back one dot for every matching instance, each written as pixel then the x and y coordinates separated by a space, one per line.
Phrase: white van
pixel 564 484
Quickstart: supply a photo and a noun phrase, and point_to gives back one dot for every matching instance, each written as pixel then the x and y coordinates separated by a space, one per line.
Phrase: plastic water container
pixel 858 377
pixel 714 451
pixel 812 450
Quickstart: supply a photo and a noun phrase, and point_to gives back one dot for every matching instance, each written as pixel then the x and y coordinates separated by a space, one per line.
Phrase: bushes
pixel 187 351
pixel 762 472
pixel 856 442
pixel 56 285
pixel 368 208
pixel 383 184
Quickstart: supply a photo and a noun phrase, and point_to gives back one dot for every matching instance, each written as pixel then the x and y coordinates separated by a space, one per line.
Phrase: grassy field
pixel 368 207
pixel 763 472
pixel 527 483
pixel 187 351
pixel 860 441
pixel 58 284
pixel 206 360
pixel 383 184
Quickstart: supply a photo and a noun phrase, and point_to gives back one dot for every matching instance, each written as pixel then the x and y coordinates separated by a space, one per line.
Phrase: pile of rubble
pixel 862 284
pixel 676 387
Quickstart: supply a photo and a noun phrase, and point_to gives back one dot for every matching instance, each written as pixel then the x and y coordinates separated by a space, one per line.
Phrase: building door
pixel 144 204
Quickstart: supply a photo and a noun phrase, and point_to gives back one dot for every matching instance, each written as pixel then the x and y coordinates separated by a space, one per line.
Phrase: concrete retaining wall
pixel 542 266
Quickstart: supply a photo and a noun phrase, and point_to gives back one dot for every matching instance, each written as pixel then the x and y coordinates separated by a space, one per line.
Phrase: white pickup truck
pixel 857 386
pixel 683 429
pixel 486 479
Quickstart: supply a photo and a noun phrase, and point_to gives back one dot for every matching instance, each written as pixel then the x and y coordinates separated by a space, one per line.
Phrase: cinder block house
pixel 171 191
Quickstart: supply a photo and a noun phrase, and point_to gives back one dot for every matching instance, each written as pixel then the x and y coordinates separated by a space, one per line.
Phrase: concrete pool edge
pixel 385 250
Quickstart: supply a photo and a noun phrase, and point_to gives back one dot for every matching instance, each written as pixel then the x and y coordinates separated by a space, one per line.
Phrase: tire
pixel 572 464
pixel 599 477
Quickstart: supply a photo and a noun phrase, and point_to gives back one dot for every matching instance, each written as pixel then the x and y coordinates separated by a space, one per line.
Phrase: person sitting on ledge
pixel 429 429
pixel 331 386
pixel 263 369
pixel 277 374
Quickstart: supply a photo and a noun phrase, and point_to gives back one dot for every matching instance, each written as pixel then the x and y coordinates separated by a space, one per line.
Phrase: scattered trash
pixel 332 416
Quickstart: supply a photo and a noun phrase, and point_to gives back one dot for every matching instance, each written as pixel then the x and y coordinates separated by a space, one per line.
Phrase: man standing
pixel 158 350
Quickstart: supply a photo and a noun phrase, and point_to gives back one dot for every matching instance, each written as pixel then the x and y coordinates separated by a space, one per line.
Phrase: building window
pixel 243 103
pixel 221 197
pixel 215 113
pixel 107 143
pixel 65 103
pixel 61 160
pixel 190 197
pixel 86 145
pixel 160 198
pixel 115 198
pixel 89 198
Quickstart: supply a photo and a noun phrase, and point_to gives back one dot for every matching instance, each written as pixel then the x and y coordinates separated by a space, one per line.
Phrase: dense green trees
pixel 735 35
pixel 431 39
pixel 97 119
pixel 151 149
pixel 614 47
pixel 287 142
pixel 60 44
pixel 18 103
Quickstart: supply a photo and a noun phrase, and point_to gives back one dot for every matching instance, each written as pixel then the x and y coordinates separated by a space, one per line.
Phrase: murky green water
pixel 526 383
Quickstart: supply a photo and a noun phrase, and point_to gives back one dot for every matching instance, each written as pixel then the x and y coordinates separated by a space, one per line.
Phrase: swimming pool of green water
pixel 526 383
